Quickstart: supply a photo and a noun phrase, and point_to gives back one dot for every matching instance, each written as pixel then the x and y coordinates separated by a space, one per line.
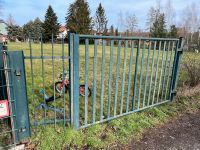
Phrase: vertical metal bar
pixel 53 75
pixel 71 78
pixel 86 80
pixel 175 71
pixel 129 76
pixel 135 76
pixel 7 78
pixel 32 79
pixel 117 76
pixel 123 78
pixel 161 72
pixel 155 82
pixel 94 81
pixel 43 82
pixel 147 73
pixel 173 92
pixel 63 69
pixel 102 79
pixel 2 81
pixel 110 77
pixel 152 71
pixel 169 68
pixel 76 60
pixel 141 72
pixel 166 63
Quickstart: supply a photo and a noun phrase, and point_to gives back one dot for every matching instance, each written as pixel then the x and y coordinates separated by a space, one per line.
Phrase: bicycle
pixel 64 85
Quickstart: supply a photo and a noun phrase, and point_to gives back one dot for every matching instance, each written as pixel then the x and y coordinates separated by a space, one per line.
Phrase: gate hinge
pixel 174 92
pixel 180 50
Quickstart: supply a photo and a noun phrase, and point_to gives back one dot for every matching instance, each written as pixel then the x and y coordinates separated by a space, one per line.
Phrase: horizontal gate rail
pixel 46 57
pixel 126 38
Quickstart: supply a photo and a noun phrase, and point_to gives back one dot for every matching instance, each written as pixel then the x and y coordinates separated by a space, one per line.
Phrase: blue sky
pixel 25 10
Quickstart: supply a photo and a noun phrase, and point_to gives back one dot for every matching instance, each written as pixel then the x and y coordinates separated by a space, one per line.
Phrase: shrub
pixel 192 67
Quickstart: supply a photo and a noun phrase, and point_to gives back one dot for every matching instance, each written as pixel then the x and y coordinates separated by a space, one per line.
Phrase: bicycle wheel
pixel 82 91
pixel 59 87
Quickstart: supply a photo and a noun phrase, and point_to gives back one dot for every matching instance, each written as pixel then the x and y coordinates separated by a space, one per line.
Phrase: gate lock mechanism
pixel 18 72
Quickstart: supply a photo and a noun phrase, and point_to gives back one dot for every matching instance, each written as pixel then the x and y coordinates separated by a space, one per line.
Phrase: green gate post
pixel 75 80
pixel 17 91
pixel 70 54
pixel 176 66
pixel 19 94
pixel 3 93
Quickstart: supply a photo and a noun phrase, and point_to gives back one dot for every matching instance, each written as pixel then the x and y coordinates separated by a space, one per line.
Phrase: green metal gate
pixel 99 78
pixel 126 74
pixel 123 75
pixel 14 115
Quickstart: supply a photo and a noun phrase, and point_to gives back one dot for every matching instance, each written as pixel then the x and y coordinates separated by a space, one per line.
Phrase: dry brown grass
pixel 189 91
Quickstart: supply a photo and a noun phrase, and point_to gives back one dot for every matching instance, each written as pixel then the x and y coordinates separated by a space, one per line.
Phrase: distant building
pixel 3 32
pixel 3 28
pixel 62 32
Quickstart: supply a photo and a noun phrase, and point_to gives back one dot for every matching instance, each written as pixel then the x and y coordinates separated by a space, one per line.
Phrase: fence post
pixel 70 54
pixel 75 80
pixel 175 70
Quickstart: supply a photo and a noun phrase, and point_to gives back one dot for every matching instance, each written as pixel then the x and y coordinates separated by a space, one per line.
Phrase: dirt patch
pixel 188 91
pixel 178 134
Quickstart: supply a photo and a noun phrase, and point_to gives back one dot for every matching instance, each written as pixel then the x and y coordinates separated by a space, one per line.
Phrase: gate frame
pixel 14 67
pixel 74 78
pixel 74 41
pixel 176 67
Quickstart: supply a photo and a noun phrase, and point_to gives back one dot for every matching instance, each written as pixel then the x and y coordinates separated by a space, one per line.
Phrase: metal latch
pixel 22 129
pixel 18 72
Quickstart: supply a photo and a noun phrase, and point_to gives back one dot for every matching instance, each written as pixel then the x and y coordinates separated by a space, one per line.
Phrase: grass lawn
pixel 117 131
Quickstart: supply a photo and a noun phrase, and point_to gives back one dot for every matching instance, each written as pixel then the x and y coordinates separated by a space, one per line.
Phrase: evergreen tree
pixel 50 25
pixel 15 32
pixel 101 20
pixel 173 33
pixel 37 29
pixel 116 32
pixel 28 28
pixel 112 30
pixel 78 18
pixel 34 28
pixel 127 33
pixel 158 28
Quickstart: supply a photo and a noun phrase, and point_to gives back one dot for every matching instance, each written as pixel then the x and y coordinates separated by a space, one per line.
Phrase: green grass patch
pixel 106 135
pixel 118 131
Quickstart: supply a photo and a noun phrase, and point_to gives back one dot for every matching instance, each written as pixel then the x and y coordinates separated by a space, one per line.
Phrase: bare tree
pixel 131 22
pixel 10 20
pixel 158 5
pixel 121 20
pixel 170 14
pixel 151 16
pixel 190 22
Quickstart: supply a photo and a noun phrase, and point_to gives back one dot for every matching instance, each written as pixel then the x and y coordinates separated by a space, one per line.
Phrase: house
pixel 3 32
pixel 62 32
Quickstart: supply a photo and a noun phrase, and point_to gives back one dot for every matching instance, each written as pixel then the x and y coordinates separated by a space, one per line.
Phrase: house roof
pixel 62 28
